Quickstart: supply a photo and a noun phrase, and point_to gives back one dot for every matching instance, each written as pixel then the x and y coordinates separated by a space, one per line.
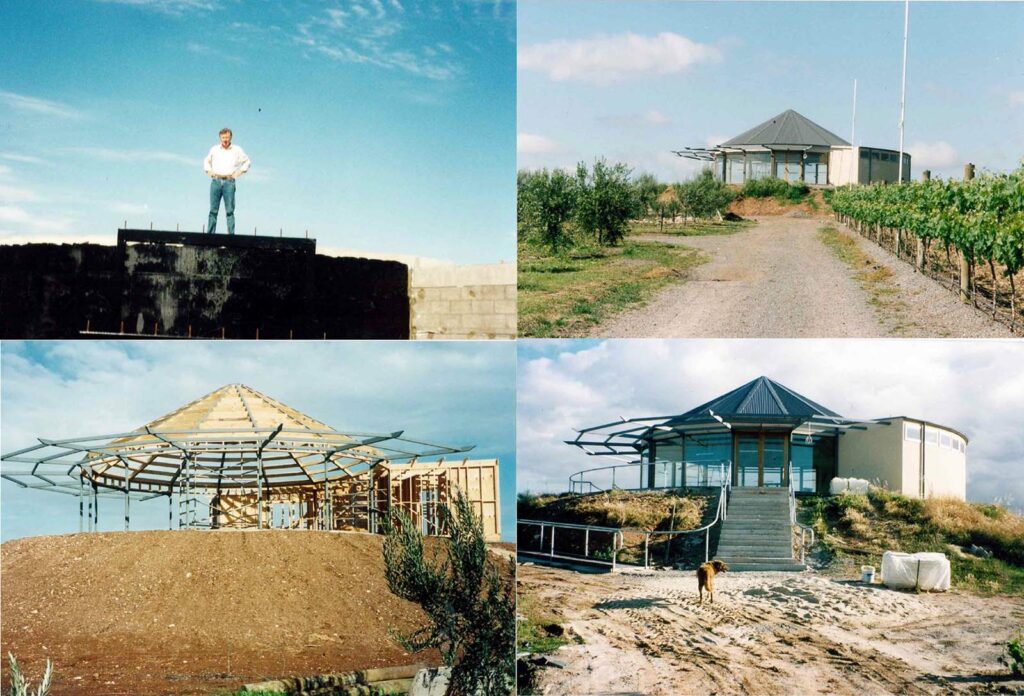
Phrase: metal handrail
pixel 792 519
pixel 580 482
pixel 721 514
pixel 616 532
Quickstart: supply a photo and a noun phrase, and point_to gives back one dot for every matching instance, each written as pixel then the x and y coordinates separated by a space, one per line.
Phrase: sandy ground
pixel 644 632
pixel 189 612
pixel 778 280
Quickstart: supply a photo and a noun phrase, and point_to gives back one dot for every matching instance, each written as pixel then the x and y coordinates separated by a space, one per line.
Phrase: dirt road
pixel 778 279
pixel 768 633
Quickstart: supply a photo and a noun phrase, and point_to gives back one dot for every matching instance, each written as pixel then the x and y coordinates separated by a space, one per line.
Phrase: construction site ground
pixel 195 612
pixel 644 632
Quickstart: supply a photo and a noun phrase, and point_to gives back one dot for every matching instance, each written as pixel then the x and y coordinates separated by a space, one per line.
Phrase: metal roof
pixel 788 128
pixel 761 398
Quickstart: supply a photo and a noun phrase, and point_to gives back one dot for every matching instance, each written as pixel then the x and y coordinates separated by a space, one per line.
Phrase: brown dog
pixel 706 577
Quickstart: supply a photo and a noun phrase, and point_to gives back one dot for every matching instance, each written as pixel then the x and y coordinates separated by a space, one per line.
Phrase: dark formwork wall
pixel 207 289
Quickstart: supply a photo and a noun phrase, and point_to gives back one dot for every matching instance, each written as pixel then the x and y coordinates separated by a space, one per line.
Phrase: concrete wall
pixel 459 302
pixel 883 454
pixel 875 454
pixel 177 284
pixel 945 468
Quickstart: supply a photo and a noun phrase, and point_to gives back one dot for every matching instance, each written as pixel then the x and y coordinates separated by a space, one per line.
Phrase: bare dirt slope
pixel 768 633
pixel 779 280
pixel 185 612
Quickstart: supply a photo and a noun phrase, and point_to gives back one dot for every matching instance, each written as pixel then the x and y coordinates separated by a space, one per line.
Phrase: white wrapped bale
pixel 838 485
pixel 925 571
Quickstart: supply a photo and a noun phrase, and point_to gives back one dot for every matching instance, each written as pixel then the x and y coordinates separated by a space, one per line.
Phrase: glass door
pixel 748 450
pixel 773 460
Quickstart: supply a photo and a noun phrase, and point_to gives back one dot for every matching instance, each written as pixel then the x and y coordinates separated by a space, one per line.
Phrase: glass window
pixel 876 155
pixel 945 440
pixel 735 164
pixel 931 436
pixel 864 154
pixel 912 432
pixel 760 165
pixel 802 457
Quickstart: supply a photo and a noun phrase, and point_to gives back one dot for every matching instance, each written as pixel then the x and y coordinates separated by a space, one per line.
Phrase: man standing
pixel 224 164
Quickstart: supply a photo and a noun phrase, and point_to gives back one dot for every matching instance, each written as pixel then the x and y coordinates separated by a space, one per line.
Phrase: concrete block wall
pixel 463 302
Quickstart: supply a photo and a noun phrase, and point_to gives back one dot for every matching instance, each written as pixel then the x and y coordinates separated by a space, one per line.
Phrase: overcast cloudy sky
pixel 976 387
pixel 452 393
pixel 378 125
pixel 633 81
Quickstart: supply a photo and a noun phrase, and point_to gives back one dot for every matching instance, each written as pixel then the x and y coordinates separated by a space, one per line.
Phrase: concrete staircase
pixel 757 534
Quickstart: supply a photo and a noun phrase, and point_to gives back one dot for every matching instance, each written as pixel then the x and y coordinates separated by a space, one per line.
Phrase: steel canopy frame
pixel 626 437
pixel 151 461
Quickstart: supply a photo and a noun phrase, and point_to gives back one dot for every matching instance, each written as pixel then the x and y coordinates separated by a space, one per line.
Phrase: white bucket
pixel 867 574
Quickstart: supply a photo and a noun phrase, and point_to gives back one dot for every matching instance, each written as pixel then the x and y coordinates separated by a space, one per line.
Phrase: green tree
pixel 545 202
pixel 647 190
pixel 606 201
pixel 469 598
pixel 704 196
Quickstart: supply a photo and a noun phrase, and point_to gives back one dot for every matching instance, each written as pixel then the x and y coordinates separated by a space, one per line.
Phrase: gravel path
pixel 778 280
pixel 774 280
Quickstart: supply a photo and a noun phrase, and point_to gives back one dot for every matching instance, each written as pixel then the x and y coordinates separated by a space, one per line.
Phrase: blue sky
pixel 378 125
pixel 974 386
pixel 632 81
pixel 451 393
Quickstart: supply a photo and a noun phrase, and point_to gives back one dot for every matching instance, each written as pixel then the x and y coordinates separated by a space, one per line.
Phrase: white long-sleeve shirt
pixel 226 162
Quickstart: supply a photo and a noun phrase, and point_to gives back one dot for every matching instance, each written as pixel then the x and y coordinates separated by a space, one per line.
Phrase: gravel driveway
pixel 779 280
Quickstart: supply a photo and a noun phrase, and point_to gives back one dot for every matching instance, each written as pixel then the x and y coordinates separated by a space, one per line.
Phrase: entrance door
pixel 761 459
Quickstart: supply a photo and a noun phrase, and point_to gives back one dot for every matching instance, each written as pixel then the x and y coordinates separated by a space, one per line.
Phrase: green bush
pixel 771 187
pixel 545 202
pixel 469 598
pixel 20 686
pixel 1013 653
pixel 704 196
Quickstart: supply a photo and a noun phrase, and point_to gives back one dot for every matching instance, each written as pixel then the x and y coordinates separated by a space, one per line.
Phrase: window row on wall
pixel 933 436
pixel 736 168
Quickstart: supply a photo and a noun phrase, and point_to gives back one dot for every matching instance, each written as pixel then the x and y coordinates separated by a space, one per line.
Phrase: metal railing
pixel 721 514
pixel 546 547
pixel 656 475
pixel 804 529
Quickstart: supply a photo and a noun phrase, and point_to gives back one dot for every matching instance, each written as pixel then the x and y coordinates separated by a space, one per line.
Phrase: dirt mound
pixel 813 207
pixel 184 612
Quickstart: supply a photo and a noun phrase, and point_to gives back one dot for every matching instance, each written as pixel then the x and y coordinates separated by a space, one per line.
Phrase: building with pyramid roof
pixel 236 458
pixel 794 148
pixel 763 434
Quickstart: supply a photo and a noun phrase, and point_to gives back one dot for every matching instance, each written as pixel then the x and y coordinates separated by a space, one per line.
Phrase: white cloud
pixel 111 155
pixel 170 7
pixel 715 140
pixel 26 159
pixel 35 105
pixel 936 155
pixel 122 208
pixel 15 220
pixel 1016 98
pixel 531 144
pixel 656 118
pixel 370 33
pixel 605 59
pixel 17 194
pixel 976 387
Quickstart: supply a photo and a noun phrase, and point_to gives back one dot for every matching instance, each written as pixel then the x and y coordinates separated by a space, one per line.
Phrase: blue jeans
pixel 222 188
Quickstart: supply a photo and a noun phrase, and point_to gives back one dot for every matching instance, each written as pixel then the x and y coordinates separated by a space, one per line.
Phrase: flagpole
pixel 903 90
pixel 853 129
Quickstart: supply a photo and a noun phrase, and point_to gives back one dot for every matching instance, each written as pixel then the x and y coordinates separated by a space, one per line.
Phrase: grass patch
pixel 778 189
pixel 651 511
pixel 701 228
pixel 566 294
pixel 537 629
pixel 856 529
pixel 876 280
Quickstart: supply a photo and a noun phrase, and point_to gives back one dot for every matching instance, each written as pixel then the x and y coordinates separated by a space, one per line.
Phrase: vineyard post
pixel 965 263
pixel 926 175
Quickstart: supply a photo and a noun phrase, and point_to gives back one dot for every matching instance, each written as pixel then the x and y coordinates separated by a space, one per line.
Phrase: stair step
pixel 766 551
pixel 755 558
pixel 765 567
